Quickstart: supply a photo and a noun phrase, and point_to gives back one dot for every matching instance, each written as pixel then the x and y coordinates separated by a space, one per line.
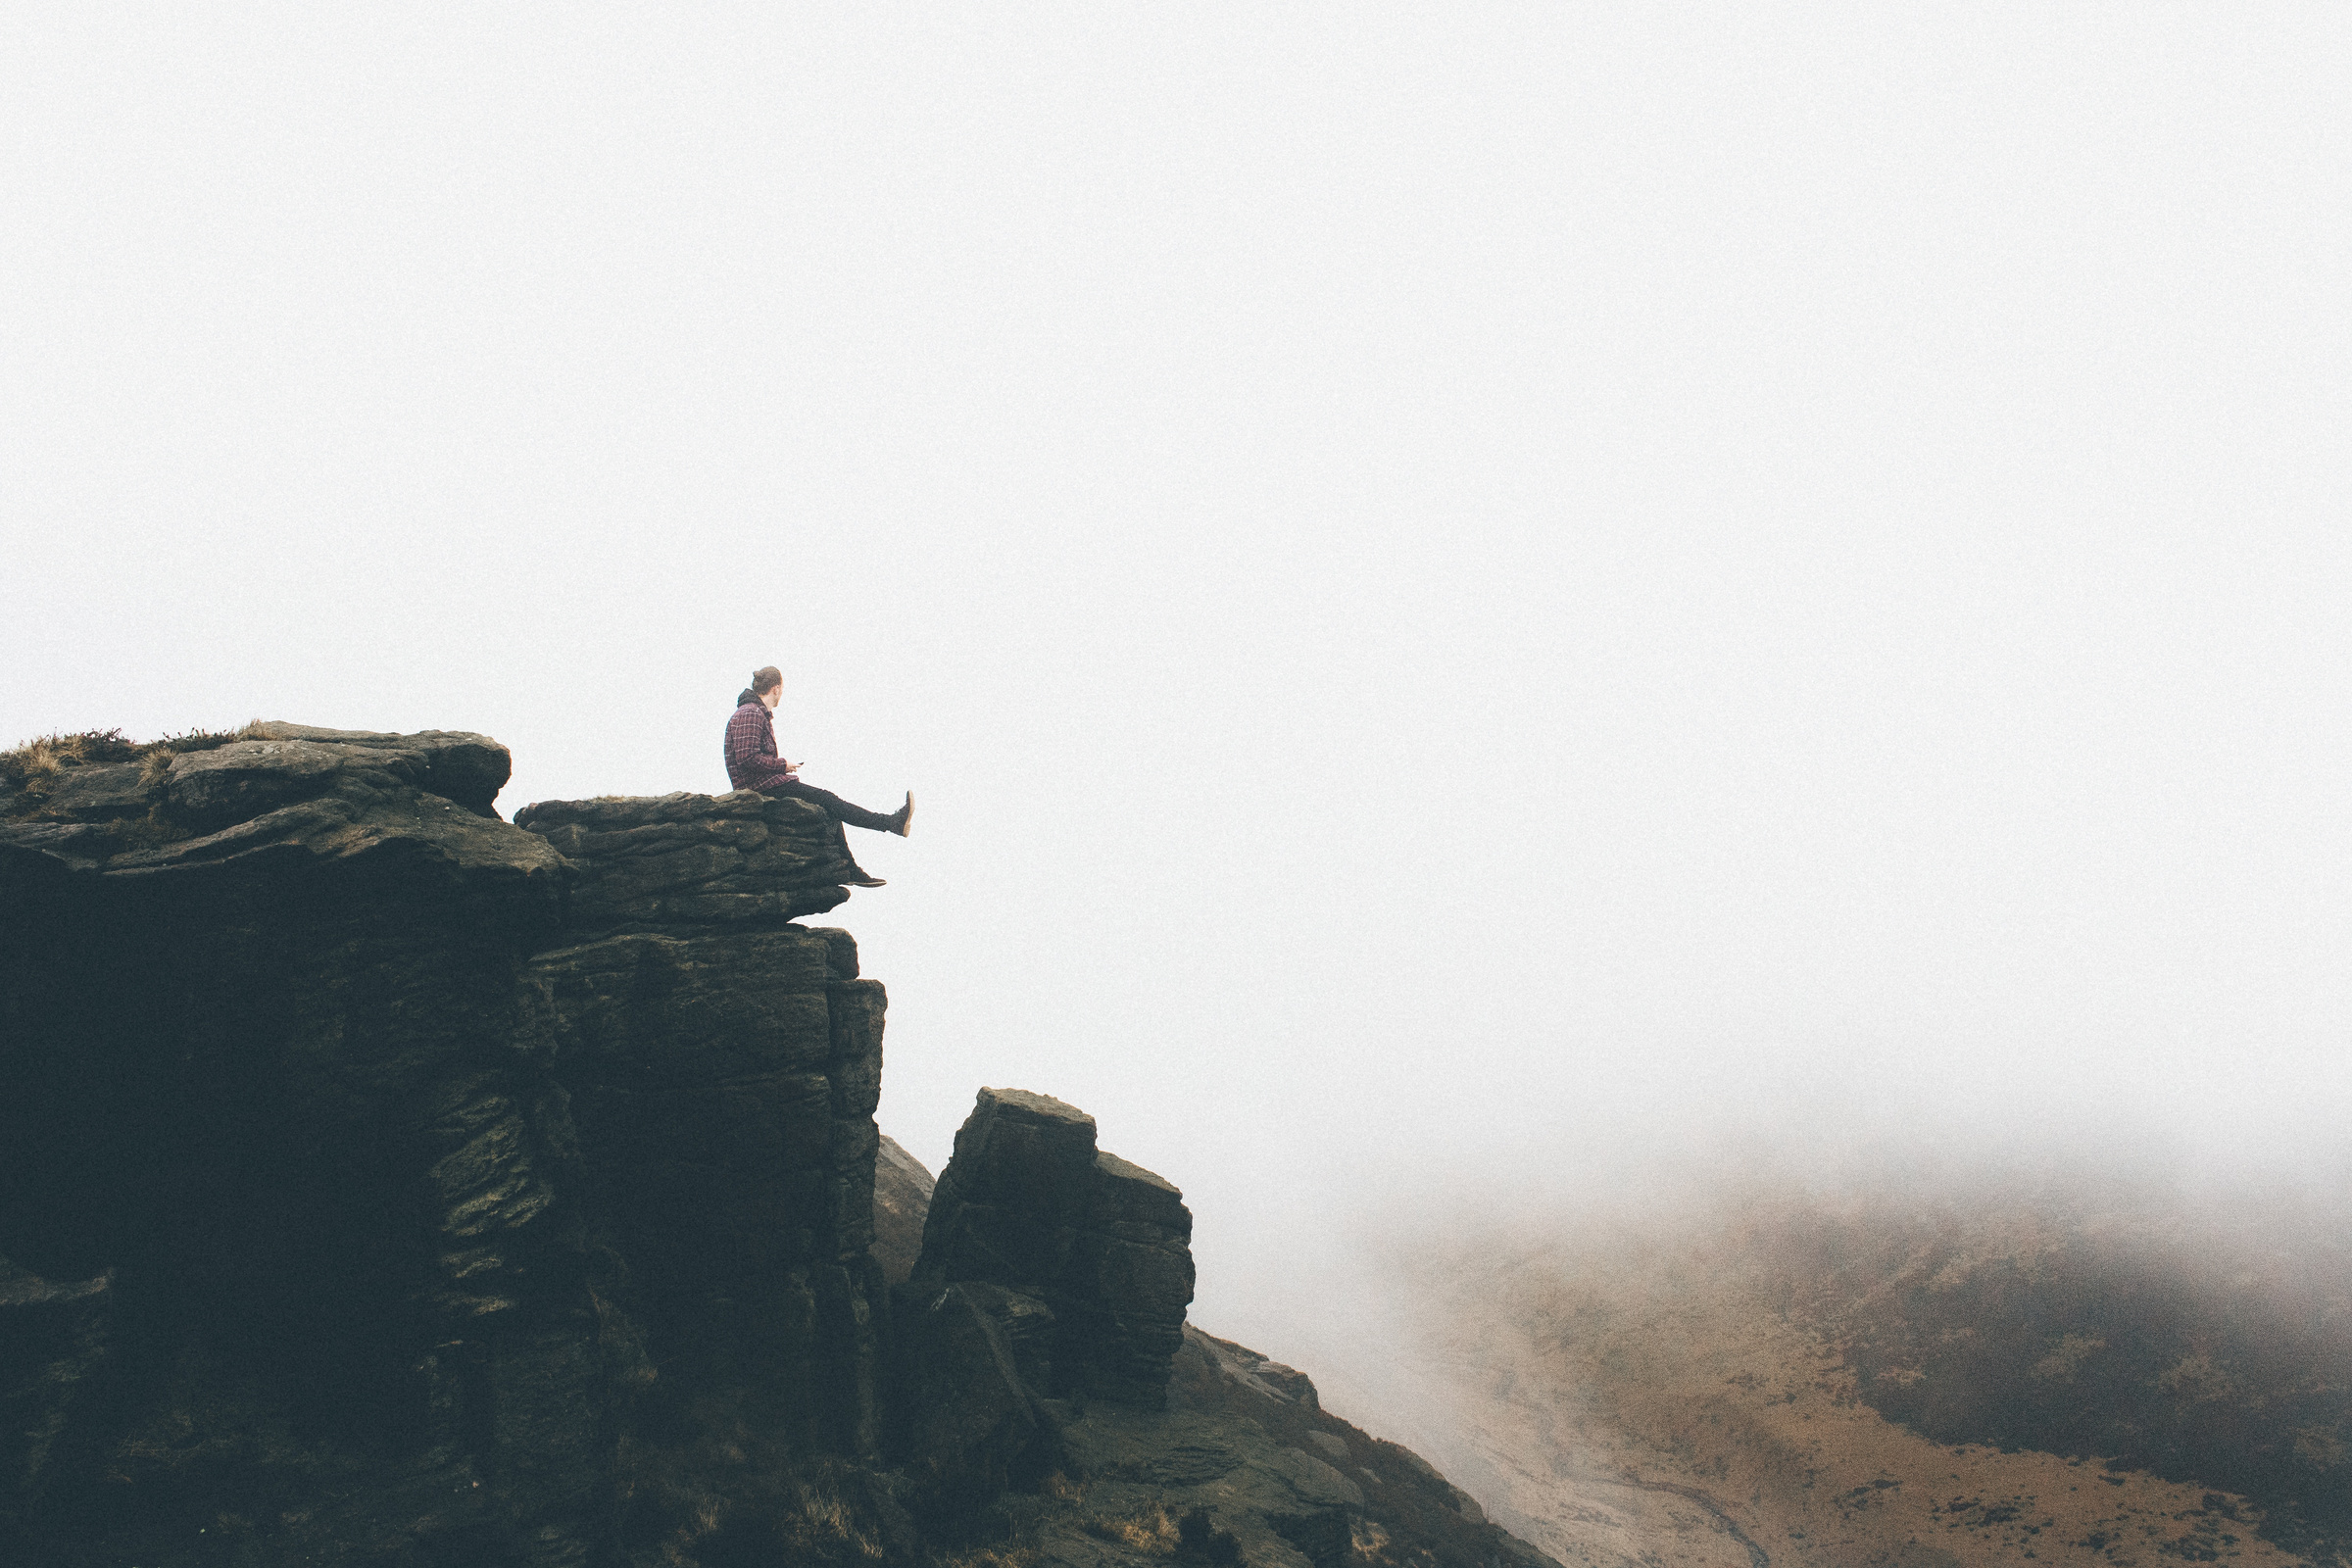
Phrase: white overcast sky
pixel 1456 584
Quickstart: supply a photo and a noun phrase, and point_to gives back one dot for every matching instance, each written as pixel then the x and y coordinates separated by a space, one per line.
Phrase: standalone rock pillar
pixel 1029 1205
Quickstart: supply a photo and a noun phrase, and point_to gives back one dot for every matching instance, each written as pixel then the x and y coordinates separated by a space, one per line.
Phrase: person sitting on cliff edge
pixel 754 764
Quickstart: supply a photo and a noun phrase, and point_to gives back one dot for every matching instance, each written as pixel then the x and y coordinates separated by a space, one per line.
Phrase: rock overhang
pixel 694 860
pixel 284 798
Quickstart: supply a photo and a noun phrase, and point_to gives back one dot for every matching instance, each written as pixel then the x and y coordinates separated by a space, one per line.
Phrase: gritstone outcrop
pixel 385 1177
pixel 382 1182
pixel 1052 1274
pixel 1102 1246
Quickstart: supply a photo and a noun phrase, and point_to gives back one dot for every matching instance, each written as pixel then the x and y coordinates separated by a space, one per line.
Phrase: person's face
pixel 772 696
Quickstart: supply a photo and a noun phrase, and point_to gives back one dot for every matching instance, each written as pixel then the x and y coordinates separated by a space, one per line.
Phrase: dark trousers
pixel 837 808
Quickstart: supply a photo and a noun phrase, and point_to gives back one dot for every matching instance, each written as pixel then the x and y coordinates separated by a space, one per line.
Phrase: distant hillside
pixel 1990 1379
pixel 2207 1349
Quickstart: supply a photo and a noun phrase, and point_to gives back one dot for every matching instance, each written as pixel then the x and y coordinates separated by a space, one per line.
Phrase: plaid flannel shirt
pixel 752 759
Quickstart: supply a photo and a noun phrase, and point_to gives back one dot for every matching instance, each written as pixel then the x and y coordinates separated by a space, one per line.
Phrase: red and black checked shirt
pixel 752 759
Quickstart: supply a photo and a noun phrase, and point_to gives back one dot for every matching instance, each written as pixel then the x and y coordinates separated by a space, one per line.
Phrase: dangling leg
pixel 842 810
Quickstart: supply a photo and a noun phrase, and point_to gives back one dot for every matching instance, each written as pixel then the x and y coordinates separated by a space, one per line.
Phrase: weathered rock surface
pixel 380 1181
pixel 289 763
pixel 1029 1204
pixel 902 1197
pixel 967 1425
pixel 52 1339
pixel 694 860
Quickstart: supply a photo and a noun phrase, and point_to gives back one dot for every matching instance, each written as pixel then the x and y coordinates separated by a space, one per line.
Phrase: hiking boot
pixel 902 818
pixel 862 880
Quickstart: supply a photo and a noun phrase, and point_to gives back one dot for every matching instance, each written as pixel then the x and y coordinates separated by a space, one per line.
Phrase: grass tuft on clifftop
pixel 30 770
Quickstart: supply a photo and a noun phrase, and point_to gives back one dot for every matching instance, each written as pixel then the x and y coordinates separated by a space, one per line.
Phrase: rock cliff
pixel 384 1182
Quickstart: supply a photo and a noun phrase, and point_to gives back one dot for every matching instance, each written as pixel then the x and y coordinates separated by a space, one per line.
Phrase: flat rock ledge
pixel 648 861
pixel 282 799
pixel 299 800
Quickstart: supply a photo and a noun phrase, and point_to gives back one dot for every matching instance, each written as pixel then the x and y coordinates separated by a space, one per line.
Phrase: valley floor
pixel 1667 1413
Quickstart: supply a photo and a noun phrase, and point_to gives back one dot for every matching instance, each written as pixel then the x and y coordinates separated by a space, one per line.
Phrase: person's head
pixel 767 685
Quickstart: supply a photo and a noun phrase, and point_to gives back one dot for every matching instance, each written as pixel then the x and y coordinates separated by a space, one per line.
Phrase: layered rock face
pixel 722 1087
pixel 694 860
pixel 384 1183
pixel 1051 1274
pixel 380 1178
pixel 1029 1205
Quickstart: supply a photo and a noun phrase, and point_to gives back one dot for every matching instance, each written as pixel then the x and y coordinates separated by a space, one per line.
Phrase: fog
pixel 1482 605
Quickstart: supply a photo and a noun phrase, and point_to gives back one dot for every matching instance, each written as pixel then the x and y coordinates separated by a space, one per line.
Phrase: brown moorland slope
pixel 1897 1383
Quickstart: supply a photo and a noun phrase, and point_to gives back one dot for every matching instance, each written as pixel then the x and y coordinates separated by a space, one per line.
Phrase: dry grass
pixel 31 771
pixel 821 1518
pixel 732 1486
pixel 1151 1531
pixel 41 758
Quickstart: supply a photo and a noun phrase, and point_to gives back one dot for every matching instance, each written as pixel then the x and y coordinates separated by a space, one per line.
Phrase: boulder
pixel 902 1197
pixel 456 764
pixel 1244 1367
pixel 1029 1204
pixel 287 762
pixel 393 813
pixel 1242 1465
pixel 968 1426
